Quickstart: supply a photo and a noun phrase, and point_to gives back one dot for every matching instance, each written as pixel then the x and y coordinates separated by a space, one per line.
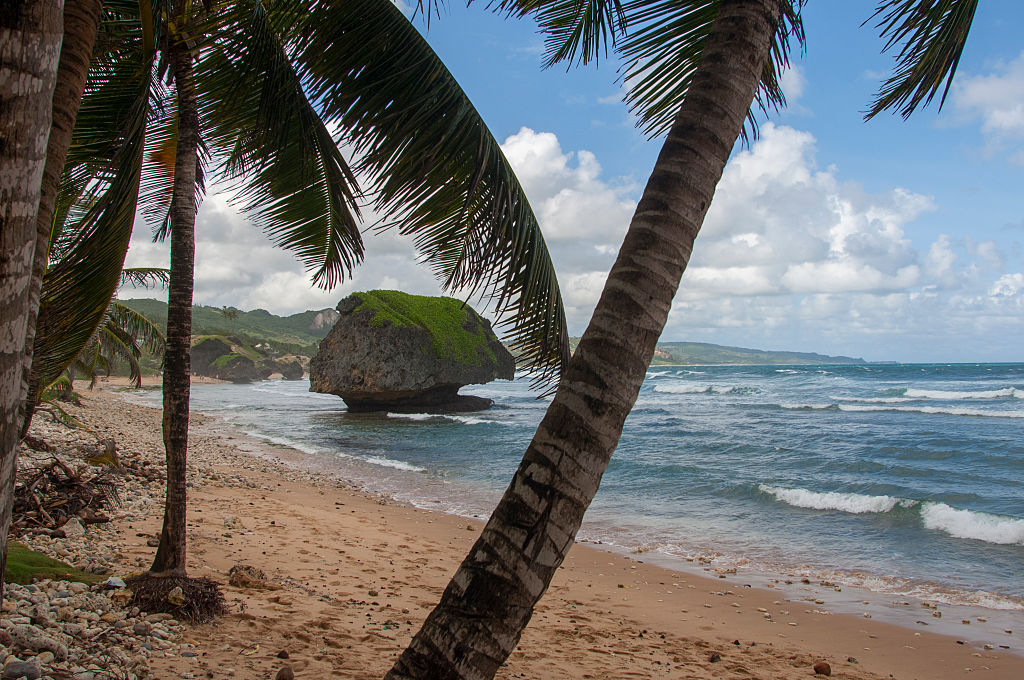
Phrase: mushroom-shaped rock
pixel 391 351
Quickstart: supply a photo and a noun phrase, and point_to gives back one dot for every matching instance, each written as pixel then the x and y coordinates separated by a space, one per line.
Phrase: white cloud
pixel 997 99
pixel 791 256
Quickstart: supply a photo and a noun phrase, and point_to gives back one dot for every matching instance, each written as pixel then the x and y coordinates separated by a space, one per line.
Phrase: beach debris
pixel 822 668
pixel 52 499
pixel 852 659
pixel 248 576
pixel 715 657
pixel 196 600
pixel 175 596
pixel 283 654
pixel 232 522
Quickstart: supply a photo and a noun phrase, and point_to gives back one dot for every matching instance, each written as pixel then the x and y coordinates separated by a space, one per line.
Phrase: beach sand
pixel 357 574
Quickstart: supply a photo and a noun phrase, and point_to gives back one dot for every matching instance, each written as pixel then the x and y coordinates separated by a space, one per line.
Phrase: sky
pixel 890 240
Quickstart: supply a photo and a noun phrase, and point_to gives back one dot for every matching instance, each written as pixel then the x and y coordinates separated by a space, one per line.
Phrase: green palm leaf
pixel 930 35
pixel 78 286
pixel 273 148
pixel 576 30
pixel 663 46
pixel 436 170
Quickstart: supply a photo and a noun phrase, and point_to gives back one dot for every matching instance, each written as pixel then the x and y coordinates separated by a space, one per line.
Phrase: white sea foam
pixel 679 388
pixel 470 420
pixel 969 524
pixel 934 410
pixel 465 420
pixel 396 464
pixel 282 441
pixel 807 407
pixel 699 388
pixel 655 374
pixel 786 370
pixel 876 400
pixel 832 500
pixel 950 395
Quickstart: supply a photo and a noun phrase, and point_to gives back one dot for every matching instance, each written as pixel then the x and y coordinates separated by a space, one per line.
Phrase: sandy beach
pixel 355 574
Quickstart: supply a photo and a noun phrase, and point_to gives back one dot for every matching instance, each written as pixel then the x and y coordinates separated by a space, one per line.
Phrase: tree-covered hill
pixel 296 334
pixel 301 334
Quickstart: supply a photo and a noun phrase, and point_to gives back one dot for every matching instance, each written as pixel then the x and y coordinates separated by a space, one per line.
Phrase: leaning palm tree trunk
pixel 81 21
pixel 30 36
pixel 491 598
pixel 170 555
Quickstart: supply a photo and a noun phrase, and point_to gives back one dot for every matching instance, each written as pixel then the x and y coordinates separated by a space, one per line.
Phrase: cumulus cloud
pixel 791 256
pixel 997 99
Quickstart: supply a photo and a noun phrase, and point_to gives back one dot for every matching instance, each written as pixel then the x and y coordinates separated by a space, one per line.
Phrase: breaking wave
pixel 956 522
pixel 950 411
pixel 854 503
pixel 949 395
pixel 981 526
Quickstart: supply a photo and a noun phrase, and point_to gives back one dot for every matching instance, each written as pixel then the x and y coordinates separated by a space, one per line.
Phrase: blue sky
pixel 889 239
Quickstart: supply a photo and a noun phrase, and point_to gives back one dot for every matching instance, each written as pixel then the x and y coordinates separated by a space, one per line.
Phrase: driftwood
pixel 48 496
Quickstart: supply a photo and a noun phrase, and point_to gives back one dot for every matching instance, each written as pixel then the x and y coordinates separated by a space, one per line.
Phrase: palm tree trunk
pixel 490 600
pixel 30 36
pixel 170 555
pixel 81 21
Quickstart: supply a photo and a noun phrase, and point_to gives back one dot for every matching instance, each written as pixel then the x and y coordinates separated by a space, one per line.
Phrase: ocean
pixel 895 480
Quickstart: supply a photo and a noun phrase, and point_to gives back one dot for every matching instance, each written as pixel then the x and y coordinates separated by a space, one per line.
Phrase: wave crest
pixel 981 526
pixel 854 503
pixel 950 395
pixel 934 410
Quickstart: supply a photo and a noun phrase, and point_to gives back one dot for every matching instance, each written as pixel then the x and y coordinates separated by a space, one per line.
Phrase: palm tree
pixel 30 36
pixel 696 69
pixel 247 94
pixel 81 20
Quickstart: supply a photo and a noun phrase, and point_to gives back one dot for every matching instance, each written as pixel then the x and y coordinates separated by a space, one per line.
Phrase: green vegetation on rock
pixel 23 565
pixel 444 318
pixel 225 360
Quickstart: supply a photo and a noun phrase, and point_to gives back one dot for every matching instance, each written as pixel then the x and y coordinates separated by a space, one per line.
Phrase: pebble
pixel 57 621
pixel 22 669
pixel 285 673
pixel 822 668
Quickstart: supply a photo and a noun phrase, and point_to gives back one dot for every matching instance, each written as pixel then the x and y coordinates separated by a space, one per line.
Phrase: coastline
pixel 358 573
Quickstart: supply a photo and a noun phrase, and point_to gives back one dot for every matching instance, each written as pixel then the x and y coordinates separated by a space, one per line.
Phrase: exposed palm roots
pixel 196 600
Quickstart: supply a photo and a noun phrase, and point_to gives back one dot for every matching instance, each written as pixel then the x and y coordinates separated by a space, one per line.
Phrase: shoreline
pixel 610 614
pixel 893 597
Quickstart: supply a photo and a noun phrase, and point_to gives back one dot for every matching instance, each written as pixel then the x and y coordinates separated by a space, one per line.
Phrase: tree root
pixel 196 600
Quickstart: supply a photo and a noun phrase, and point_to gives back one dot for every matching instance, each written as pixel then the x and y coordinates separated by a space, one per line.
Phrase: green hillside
pixel 295 334
pixel 301 334
pixel 707 354
pixel 674 353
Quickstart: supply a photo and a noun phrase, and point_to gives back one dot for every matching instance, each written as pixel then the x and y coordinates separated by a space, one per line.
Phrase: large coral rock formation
pixel 391 351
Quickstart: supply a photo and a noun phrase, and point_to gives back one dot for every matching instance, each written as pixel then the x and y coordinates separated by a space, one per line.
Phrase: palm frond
pixel 576 31
pixel 144 277
pixel 275 150
pixel 930 36
pixel 663 46
pixel 78 287
pixel 437 171
pixel 143 332
pixel 56 389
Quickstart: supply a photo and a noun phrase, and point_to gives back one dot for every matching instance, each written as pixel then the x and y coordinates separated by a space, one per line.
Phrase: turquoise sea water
pixel 905 479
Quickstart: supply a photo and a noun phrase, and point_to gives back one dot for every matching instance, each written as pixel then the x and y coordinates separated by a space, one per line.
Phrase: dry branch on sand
pixel 48 496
